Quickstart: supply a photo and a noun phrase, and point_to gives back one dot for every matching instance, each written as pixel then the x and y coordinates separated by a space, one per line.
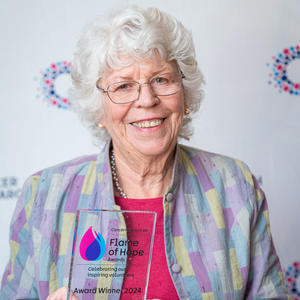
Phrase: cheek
pixel 113 116
pixel 178 107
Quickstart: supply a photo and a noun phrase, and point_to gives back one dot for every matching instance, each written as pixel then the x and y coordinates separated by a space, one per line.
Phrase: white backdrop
pixel 242 114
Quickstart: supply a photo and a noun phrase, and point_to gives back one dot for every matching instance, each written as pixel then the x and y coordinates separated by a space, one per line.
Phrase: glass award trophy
pixel 111 254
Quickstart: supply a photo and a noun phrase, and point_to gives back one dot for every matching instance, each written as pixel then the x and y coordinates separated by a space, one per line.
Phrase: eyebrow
pixel 121 78
pixel 129 78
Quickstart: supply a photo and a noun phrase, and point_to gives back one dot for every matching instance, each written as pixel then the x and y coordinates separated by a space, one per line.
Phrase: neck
pixel 142 176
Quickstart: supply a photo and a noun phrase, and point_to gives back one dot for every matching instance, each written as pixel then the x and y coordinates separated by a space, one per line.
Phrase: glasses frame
pixel 106 91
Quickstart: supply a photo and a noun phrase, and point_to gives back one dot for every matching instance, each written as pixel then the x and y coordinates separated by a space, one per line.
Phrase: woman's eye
pixel 123 86
pixel 161 80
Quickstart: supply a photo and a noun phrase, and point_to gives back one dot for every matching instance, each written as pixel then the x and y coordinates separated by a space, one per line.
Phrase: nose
pixel 146 96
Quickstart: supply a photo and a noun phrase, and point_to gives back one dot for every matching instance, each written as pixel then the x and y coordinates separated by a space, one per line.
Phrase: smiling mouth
pixel 148 124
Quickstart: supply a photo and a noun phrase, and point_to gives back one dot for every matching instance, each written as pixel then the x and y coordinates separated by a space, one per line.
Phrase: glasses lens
pixel 166 84
pixel 123 92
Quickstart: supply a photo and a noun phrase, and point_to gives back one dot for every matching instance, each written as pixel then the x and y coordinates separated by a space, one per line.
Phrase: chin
pixel 154 147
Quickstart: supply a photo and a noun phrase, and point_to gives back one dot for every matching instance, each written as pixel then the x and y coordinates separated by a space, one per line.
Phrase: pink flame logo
pixel 92 246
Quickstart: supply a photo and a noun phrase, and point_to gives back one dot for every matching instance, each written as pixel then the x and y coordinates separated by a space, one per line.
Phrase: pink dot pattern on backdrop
pixel 279 73
pixel 47 84
pixel 291 275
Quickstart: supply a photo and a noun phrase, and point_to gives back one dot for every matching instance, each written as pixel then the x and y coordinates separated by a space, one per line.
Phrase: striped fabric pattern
pixel 216 228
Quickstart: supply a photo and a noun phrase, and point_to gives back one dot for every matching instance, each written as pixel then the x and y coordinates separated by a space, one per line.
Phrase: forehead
pixel 140 69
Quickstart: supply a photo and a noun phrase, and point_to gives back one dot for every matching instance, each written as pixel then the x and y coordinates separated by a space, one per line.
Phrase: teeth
pixel 148 124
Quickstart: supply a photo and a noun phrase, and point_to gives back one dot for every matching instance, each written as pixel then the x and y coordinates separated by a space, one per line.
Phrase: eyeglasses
pixel 128 91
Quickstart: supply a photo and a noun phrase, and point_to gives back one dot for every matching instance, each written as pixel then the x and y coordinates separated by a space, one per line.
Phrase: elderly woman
pixel 136 85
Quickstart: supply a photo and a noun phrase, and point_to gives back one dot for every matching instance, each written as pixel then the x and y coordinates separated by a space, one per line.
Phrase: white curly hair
pixel 139 34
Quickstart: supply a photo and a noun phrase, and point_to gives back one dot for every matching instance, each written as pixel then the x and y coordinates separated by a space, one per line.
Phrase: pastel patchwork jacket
pixel 217 233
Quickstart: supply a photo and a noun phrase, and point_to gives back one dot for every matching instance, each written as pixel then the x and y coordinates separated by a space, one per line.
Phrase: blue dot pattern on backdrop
pixel 47 84
pixel 279 73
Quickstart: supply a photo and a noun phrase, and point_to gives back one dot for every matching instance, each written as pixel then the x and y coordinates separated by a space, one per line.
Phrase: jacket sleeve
pixel 18 280
pixel 266 279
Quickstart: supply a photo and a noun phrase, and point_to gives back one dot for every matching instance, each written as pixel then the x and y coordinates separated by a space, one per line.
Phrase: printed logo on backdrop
pixel 9 188
pixel 285 71
pixel 54 82
pixel 291 275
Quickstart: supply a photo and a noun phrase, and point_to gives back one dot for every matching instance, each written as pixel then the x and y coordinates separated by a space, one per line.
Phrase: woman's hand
pixel 61 294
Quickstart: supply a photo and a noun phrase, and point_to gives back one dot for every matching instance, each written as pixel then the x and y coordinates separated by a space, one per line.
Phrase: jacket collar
pixel 105 192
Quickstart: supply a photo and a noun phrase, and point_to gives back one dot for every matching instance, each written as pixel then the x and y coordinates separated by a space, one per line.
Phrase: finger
pixel 60 294
pixel 73 297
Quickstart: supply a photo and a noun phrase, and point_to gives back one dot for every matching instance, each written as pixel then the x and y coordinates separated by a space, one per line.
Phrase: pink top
pixel 160 283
